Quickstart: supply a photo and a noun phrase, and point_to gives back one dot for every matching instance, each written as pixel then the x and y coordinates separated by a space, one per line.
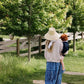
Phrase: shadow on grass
pixel 73 79
pixel 39 56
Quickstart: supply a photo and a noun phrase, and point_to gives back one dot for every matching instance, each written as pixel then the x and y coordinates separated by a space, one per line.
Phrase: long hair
pixel 47 43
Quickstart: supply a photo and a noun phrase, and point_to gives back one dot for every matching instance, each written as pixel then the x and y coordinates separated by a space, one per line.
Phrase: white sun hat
pixel 51 34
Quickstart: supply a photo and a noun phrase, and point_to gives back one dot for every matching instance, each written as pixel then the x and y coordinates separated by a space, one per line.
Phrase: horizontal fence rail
pixel 36 41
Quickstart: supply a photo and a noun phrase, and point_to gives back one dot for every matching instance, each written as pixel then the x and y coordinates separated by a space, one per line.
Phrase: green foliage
pixel 29 17
pixel 56 11
pixel 10 17
pixel 78 53
pixel 76 9
pixel 79 44
pixel 23 17
pixel 19 19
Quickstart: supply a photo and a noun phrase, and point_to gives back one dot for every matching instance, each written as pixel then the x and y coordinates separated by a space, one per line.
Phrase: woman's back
pixel 55 54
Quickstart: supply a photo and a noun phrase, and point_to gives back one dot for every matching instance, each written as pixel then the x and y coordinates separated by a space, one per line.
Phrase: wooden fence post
pixel 40 44
pixel 82 33
pixel 17 47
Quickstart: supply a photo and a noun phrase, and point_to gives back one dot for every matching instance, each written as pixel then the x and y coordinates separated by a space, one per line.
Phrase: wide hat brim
pixel 51 37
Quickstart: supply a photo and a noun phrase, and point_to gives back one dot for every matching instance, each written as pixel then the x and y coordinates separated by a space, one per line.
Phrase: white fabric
pixel 50 44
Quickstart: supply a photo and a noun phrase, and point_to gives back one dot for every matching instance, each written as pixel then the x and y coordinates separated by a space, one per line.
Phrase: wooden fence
pixel 6 46
pixel 36 41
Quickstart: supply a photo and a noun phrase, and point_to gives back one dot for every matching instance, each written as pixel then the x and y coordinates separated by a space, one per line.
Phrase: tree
pixel 23 18
pixel 77 12
pixel 2 14
pixel 56 13
pixel 30 17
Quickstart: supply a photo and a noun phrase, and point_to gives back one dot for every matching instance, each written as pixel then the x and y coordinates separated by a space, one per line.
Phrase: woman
pixel 53 48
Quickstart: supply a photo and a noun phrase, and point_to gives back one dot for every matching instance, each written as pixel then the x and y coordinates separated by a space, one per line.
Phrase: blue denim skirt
pixel 51 74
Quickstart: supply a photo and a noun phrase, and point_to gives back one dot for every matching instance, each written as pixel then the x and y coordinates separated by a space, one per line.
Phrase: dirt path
pixel 67 72
pixel 73 73
pixel 41 82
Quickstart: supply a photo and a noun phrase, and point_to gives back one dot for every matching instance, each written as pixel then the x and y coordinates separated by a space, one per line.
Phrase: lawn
pixel 74 61
pixel 7 37
pixel 17 70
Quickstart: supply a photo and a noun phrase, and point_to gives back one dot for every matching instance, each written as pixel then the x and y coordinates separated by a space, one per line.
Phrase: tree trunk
pixel 82 35
pixel 29 34
pixel 74 42
pixel 17 47
pixel 40 44
pixel 29 48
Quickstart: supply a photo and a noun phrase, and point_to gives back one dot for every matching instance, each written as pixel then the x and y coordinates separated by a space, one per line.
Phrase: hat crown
pixel 51 31
pixel 51 34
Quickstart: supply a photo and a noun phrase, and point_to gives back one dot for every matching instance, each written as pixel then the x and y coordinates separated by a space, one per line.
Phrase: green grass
pixel 12 45
pixel 72 79
pixel 74 61
pixel 7 36
pixel 79 44
pixel 74 64
pixel 17 70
